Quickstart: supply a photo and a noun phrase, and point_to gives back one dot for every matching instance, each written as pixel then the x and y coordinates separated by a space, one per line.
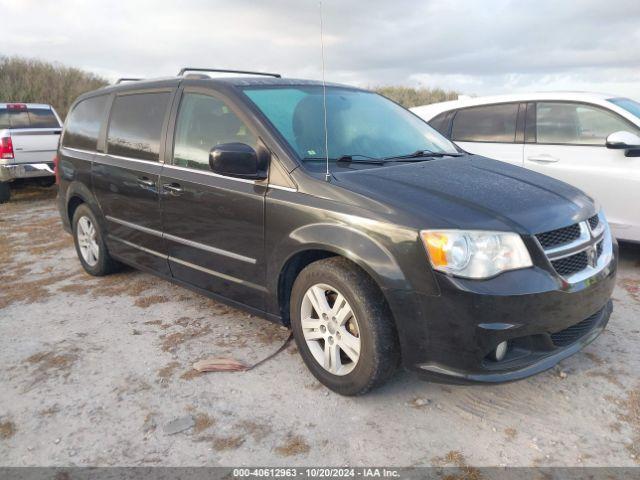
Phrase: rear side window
pixel 576 124
pixel 42 118
pixel 84 122
pixel 203 123
pixel 440 123
pixel 135 127
pixel 490 123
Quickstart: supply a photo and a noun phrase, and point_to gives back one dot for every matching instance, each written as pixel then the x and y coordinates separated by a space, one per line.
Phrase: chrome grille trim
pixel 572 247
pixel 596 243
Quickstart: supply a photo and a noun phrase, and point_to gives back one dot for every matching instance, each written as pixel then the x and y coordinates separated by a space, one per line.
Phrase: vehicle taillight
pixel 6 148
pixel 56 169
pixel 16 106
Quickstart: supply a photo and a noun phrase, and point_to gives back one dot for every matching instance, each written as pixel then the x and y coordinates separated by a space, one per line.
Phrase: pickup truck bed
pixel 29 136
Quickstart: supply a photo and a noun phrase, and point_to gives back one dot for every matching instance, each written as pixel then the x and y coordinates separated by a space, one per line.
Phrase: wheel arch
pixel 313 243
pixel 77 194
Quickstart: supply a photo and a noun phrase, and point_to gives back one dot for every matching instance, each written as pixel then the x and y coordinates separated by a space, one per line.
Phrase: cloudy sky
pixel 473 46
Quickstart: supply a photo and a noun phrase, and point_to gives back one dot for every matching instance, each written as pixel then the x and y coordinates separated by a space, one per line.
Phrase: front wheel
pixel 89 241
pixel 343 327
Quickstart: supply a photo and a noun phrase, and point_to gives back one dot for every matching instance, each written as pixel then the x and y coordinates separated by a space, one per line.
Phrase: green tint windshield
pixel 359 123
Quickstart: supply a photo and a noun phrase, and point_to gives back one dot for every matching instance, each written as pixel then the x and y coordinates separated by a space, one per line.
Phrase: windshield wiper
pixel 423 154
pixel 363 159
pixel 417 156
pixel 349 159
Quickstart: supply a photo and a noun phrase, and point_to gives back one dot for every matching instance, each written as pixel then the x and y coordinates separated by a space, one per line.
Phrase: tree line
pixel 37 81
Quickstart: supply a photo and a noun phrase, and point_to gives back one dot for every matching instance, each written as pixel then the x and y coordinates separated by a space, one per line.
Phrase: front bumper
pixel 448 337
pixel 25 170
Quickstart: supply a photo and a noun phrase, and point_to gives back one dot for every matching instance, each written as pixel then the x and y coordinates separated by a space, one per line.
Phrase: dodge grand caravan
pixel 398 249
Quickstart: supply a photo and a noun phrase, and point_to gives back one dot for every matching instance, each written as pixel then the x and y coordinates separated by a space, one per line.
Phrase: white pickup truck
pixel 29 134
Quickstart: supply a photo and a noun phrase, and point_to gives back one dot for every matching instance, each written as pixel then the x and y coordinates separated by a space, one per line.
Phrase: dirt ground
pixel 92 372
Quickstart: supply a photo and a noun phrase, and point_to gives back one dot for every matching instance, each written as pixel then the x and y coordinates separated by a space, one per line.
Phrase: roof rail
pixel 121 80
pixel 218 70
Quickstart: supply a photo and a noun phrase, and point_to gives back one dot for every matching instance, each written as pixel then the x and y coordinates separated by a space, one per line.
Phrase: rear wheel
pixel 46 182
pixel 343 327
pixel 89 241
pixel 5 192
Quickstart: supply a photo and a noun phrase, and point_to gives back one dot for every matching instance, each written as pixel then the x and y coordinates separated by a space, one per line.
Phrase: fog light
pixel 500 351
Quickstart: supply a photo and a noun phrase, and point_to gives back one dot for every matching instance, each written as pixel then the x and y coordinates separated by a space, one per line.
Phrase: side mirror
pixel 623 141
pixel 238 160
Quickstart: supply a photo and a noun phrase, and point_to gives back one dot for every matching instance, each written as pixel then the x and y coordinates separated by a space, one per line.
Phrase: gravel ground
pixel 94 370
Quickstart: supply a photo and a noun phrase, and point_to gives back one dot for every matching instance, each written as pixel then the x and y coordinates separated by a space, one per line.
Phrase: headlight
pixel 475 254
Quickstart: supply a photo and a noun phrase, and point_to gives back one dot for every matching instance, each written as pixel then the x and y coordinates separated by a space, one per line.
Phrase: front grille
pixel 599 249
pixel 560 236
pixel 571 264
pixel 574 332
pixel 594 222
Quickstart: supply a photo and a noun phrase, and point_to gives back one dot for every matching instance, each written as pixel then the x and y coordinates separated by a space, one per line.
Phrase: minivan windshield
pixel 628 104
pixel 361 125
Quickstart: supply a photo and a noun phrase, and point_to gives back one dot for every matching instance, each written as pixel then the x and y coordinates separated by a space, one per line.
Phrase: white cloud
pixel 476 47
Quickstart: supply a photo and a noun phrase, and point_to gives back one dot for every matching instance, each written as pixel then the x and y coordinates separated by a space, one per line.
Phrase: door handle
pixel 543 158
pixel 173 188
pixel 144 182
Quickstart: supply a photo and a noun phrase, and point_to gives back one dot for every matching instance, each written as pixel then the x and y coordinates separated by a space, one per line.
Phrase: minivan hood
pixel 471 192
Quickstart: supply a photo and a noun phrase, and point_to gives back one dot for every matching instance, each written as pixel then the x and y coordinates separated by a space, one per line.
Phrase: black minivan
pixel 368 233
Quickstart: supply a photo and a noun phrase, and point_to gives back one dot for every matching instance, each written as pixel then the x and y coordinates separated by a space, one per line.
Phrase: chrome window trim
pixel 119 157
pixel 79 150
pixel 176 167
pixel 280 187
pixel 184 241
pixel 211 174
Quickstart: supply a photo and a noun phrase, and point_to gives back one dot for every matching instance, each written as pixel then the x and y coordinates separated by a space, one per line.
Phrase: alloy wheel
pixel 89 249
pixel 330 329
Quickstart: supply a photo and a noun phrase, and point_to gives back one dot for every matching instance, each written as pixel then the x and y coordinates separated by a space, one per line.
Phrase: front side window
pixel 204 122
pixel 359 123
pixel 83 123
pixel 135 127
pixel 576 124
pixel 487 123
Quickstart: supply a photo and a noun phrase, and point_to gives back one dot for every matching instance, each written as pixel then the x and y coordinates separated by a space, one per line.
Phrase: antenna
pixel 327 175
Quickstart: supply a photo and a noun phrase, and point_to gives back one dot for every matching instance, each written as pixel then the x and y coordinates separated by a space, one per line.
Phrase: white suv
pixel 589 140
pixel 29 134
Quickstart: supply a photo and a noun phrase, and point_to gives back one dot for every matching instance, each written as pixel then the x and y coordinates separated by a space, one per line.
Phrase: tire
pixel 89 241
pixel 46 182
pixel 369 326
pixel 5 192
